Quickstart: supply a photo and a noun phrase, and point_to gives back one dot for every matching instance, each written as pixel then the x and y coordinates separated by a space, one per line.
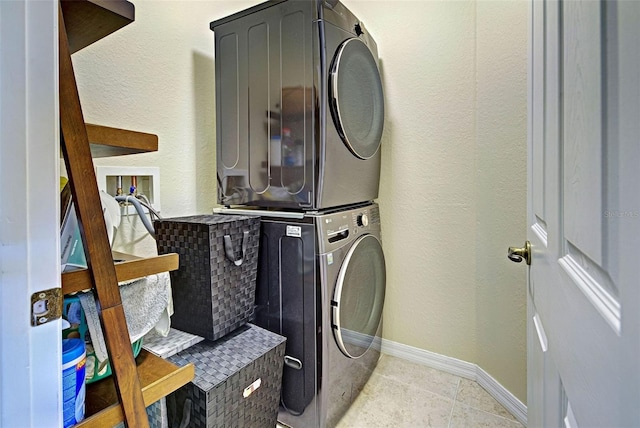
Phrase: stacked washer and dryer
pixel 299 119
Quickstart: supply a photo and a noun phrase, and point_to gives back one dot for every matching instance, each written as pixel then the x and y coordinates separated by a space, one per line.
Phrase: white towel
pixel 146 301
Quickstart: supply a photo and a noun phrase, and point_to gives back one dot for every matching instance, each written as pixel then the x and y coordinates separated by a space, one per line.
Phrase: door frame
pixel 30 357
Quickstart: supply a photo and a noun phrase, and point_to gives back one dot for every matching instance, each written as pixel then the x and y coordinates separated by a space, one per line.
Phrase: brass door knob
pixel 518 254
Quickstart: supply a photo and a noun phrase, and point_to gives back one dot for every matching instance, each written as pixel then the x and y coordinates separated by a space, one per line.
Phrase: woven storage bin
pixel 157 414
pixel 214 287
pixel 237 382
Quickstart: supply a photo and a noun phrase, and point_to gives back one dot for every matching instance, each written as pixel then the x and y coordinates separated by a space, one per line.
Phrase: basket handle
pixel 228 248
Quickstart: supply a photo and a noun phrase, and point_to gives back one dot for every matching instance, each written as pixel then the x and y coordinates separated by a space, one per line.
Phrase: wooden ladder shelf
pixel 132 387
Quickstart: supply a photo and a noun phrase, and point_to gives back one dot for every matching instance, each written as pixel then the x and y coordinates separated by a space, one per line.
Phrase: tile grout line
pixel 453 406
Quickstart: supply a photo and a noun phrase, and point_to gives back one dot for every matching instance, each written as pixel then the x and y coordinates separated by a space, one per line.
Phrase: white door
pixel 30 357
pixel 584 214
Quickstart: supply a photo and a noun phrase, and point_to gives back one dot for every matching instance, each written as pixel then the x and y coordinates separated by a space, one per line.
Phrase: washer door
pixel 357 102
pixel 359 297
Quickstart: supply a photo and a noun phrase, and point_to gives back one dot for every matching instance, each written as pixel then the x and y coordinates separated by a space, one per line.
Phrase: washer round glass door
pixel 357 102
pixel 359 296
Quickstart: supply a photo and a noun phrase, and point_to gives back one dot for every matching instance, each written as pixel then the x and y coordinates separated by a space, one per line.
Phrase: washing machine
pixel 321 284
pixel 299 107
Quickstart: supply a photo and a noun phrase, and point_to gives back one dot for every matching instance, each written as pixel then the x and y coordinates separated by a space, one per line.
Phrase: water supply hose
pixel 130 199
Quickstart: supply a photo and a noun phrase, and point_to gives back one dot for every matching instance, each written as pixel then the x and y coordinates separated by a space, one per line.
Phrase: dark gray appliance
pixel 321 284
pixel 299 107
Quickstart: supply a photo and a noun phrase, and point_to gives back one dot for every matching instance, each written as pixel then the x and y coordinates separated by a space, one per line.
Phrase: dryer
pixel 299 107
pixel 321 284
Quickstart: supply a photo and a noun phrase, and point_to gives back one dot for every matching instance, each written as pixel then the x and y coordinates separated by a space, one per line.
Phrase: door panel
pixel 536 128
pixel 584 217
pixel 583 112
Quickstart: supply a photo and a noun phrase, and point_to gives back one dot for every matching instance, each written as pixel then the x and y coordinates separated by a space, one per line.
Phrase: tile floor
pixel 404 394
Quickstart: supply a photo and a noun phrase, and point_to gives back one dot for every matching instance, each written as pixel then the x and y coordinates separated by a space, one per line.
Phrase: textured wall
pixel 501 125
pixel 427 189
pixel 157 75
pixel 455 79
pixel 455 83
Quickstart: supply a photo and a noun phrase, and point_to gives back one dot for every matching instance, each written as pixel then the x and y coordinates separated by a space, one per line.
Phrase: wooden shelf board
pixel 106 141
pixel 79 280
pixel 88 21
pixel 158 378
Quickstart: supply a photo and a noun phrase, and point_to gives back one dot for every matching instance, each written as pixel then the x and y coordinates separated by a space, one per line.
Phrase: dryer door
pixel 356 99
pixel 359 296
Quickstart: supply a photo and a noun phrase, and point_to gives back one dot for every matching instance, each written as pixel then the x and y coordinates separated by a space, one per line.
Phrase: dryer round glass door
pixel 359 296
pixel 357 102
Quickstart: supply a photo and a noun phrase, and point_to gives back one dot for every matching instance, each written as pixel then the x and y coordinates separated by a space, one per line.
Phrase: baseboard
pixel 503 396
pixel 430 359
pixel 459 368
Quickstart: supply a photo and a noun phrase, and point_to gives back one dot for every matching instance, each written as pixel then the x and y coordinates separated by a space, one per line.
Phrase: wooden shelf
pixel 105 141
pixel 79 280
pixel 137 383
pixel 158 378
pixel 88 21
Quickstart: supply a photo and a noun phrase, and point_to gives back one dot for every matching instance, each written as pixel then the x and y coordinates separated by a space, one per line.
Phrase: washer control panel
pixel 339 226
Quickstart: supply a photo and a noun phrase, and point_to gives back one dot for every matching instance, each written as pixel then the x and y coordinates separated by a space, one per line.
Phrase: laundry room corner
pixel 452 189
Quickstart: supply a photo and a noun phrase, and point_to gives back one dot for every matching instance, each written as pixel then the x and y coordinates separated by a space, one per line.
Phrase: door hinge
pixel 46 305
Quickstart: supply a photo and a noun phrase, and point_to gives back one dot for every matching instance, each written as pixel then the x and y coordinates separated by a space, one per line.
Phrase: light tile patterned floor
pixel 404 394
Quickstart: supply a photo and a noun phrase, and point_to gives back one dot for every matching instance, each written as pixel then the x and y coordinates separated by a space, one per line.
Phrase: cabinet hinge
pixel 46 305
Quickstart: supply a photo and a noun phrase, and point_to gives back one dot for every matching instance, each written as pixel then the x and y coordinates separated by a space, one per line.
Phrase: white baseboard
pixel 430 359
pixel 502 396
pixel 459 368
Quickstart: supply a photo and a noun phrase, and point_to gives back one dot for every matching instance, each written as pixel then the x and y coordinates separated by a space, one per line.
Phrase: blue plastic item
pixel 73 313
pixel 73 386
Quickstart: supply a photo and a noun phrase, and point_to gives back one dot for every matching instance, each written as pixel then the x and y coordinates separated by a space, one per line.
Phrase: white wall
pixel 156 75
pixel 453 189
pixel 501 124
pixel 427 192
pixel 455 84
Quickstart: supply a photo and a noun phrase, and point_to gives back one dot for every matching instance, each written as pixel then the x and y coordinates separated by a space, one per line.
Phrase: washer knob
pixel 362 220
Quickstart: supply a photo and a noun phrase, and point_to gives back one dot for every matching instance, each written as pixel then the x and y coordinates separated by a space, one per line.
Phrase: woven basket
pixel 237 381
pixel 214 286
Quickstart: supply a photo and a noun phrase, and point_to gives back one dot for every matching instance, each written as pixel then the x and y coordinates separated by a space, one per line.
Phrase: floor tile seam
pixel 488 413
pixel 453 406
pixel 492 399
pixel 511 418
pixel 418 388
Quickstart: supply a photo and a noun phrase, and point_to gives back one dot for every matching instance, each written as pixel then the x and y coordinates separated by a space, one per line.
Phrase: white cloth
pixel 146 301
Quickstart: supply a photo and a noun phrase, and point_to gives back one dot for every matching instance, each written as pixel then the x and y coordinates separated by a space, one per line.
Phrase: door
pixel 359 296
pixel 356 98
pixel 30 357
pixel 584 214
